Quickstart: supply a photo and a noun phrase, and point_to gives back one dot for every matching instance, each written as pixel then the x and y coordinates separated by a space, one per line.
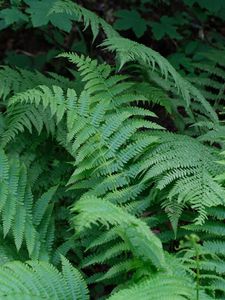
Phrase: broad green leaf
pixel 12 15
pixel 166 27
pixel 39 12
pixel 130 19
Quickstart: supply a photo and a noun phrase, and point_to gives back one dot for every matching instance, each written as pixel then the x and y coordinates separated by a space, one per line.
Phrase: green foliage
pixel 90 171
pixel 83 15
pixel 130 20
pixel 186 169
pixel 166 287
pixel 20 213
pixel 39 14
pixel 212 7
pixel 128 50
pixel 165 28
pixel 10 16
pixel 40 280
pixel 144 245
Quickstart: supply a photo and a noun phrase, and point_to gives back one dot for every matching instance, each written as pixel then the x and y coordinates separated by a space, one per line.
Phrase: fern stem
pixel 197 272
pixel 195 240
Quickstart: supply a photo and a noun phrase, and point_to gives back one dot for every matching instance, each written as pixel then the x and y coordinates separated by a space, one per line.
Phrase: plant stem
pixel 197 272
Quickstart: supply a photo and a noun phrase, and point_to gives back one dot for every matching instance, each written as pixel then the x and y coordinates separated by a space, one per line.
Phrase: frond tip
pixel 128 50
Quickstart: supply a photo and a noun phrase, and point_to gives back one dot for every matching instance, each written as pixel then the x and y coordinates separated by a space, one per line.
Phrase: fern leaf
pixel 143 243
pixel 40 280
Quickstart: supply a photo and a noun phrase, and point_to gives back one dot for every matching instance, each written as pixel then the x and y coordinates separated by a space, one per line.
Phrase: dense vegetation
pixel 112 176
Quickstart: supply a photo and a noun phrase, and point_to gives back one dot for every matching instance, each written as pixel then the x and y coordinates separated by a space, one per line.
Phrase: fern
pixel 92 211
pixel 19 80
pixel 159 287
pixel 188 169
pixel 130 228
pixel 210 244
pixel 124 173
pixel 211 82
pixel 18 212
pixel 128 50
pixel 114 145
pixel 40 280
pixel 85 16
pixel 206 267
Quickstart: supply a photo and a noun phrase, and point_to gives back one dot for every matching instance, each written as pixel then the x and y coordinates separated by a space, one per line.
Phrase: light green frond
pixel 161 287
pixel 142 242
pixel 19 214
pixel 40 280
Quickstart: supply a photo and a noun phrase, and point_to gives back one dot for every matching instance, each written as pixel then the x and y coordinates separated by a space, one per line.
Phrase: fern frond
pixel 40 280
pixel 128 50
pixel 158 288
pixel 18 80
pixel 85 16
pixel 141 241
pixel 179 163
pixel 16 203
